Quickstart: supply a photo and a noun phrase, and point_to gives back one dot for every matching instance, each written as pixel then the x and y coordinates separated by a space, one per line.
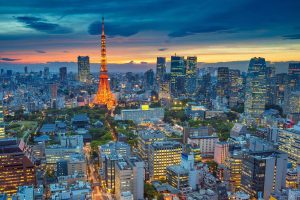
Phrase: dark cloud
pixel 150 22
pixel 162 49
pixel 42 25
pixel 292 37
pixel 116 29
pixel 40 51
pixel 9 59
pixel 195 30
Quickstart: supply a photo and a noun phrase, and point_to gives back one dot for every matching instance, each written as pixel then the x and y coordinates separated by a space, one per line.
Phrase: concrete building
pixel 221 152
pixel 129 177
pixel 145 139
pixel 162 155
pixel 110 154
pixel 255 97
pixel 289 142
pixel 15 167
pixel 205 143
pixel 183 177
pixel 263 172
pixel 233 165
pixel 83 68
pixel 2 128
pixel 143 114
pixel 160 69
pixel 53 153
pixel 195 131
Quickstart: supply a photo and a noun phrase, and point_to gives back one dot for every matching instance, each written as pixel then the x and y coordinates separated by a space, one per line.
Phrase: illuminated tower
pixel 104 96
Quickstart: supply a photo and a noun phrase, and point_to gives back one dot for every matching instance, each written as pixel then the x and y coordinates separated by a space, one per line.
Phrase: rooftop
pixel 178 169
pixel 80 117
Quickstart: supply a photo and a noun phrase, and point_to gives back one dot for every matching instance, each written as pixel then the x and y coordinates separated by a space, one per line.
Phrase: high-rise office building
pixel 205 90
pixel 63 74
pixel 223 81
pixel 62 168
pixel 233 164
pixel 294 68
pixel 235 87
pixel 221 152
pixel 161 155
pixel 282 81
pixel 255 97
pixel 2 128
pixel 83 68
pixel 289 142
pixel 15 167
pixel 271 84
pixel 191 75
pixel 160 69
pixel 177 75
pixel 149 79
pixel 111 153
pixel 293 104
pixel 145 139
pixel 26 70
pixel 46 72
pixel 263 172
pixel 129 177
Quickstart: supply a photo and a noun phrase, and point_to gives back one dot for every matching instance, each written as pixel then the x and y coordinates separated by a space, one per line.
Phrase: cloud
pixel 162 49
pixel 9 59
pixel 292 37
pixel 40 51
pixel 42 25
pixel 195 30
pixel 113 29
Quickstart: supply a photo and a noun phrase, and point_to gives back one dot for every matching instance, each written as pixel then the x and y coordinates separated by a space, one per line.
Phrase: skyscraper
pixel 149 79
pixel 263 172
pixel 282 81
pixel 63 74
pixel 294 68
pixel 255 88
pixel 160 69
pixel 205 90
pixel 223 81
pixel 177 75
pixel 83 68
pixel 235 87
pixel 191 75
pixel 46 72
pixel 289 142
pixel 2 128
pixel 104 96
pixel 162 155
pixel 15 168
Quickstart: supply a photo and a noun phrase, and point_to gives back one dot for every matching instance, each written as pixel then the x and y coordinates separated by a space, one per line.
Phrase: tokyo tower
pixel 104 96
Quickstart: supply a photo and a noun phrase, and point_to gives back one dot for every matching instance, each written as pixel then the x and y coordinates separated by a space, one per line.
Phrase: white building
pixel 143 114
pixel 221 152
pixel 206 143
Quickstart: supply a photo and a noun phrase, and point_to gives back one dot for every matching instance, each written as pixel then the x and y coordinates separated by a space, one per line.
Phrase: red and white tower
pixel 104 96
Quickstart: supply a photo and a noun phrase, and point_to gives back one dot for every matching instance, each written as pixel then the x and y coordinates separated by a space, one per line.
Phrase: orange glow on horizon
pixel 121 55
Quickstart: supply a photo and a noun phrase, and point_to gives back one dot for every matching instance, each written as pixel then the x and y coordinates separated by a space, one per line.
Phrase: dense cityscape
pixel 178 131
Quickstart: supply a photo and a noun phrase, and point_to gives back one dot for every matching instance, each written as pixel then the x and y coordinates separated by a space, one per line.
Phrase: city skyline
pixel 236 31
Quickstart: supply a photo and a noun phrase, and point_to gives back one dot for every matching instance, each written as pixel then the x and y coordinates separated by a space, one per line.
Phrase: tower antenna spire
pixel 102 25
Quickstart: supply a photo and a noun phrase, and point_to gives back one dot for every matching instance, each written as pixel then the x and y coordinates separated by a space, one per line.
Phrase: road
pixel 97 193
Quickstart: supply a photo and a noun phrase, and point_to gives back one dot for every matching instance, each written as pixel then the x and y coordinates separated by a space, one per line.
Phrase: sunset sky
pixel 40 31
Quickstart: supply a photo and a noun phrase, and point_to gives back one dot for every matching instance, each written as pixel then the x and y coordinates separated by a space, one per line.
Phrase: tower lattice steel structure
pixel 104 95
